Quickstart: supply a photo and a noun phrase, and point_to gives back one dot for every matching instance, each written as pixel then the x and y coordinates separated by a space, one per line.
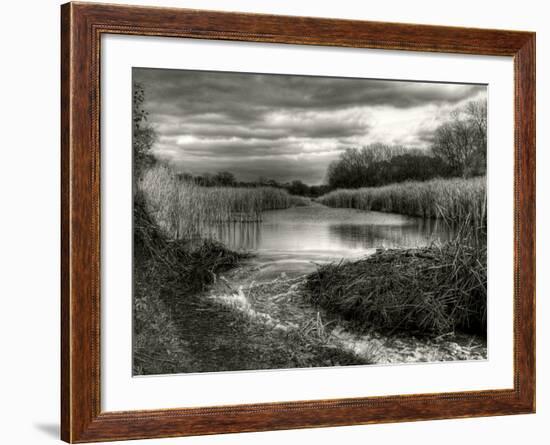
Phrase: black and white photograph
pixel 290 221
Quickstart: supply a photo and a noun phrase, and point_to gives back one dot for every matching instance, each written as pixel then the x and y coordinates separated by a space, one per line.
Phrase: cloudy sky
pixel 286 127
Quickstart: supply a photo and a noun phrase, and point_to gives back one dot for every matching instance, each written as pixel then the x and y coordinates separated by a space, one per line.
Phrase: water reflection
pixel 415 234
pixel 239 235
pixel 336 233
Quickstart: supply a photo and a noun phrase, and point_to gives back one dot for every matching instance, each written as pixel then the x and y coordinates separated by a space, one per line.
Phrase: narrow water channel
pixel 294 240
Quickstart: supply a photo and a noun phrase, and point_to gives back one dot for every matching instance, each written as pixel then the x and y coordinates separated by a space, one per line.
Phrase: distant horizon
pixel 243 181
pixel 286 127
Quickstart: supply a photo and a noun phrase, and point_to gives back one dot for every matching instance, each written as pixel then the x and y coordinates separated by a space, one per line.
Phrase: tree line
pixel 228 179
pixel 458 150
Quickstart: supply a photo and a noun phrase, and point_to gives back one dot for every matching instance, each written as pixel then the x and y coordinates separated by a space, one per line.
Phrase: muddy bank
pixel 258 317
pixel 269 325
pixel 217 331
pixel 258 292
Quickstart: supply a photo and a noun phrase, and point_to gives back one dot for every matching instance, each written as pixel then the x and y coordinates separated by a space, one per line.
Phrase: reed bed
pixel 186 210
pixel 437 290
pixel 455 200
pixel 166 272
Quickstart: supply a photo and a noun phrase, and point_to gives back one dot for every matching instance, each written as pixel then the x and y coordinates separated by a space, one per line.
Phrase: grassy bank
pixel 184 209
pixel 455 200
pixel 431 290
pixel 165 269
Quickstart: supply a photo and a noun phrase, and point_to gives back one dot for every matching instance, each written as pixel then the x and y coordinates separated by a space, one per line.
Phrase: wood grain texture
pixel 82 26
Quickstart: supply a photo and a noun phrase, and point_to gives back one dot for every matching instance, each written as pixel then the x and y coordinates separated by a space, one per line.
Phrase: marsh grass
pixel 184 210
pixel 454 200
pixel 166 271
pixel 432 290
pixel 190 266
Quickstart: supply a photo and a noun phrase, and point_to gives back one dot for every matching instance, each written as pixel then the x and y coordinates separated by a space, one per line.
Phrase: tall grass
pixel 455 200
pixel 185 210
pixel 432 290
pixel 167 271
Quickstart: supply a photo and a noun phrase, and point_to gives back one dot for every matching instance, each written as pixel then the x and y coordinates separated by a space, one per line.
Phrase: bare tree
pixel 356 167
pixel 477 114
pixel 461 142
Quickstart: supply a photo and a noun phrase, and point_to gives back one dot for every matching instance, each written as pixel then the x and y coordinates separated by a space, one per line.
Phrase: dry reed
pixel 454 200
pixel 185 210
pixel 432 290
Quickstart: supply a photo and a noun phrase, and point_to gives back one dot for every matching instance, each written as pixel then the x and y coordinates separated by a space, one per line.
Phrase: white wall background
pixel 29 222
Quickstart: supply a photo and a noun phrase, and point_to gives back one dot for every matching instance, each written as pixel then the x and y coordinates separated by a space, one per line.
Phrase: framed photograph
pixel 275 222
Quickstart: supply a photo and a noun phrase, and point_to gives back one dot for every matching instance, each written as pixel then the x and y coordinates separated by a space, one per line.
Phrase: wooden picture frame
pixel 82 25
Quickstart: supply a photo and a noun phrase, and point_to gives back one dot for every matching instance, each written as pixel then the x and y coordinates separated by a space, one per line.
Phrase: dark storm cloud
pixel 314 127
pixel 203 117
pixel 243 95
pixel 250 149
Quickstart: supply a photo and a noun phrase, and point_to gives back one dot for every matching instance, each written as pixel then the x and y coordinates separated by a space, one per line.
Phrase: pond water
pixel 293 240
